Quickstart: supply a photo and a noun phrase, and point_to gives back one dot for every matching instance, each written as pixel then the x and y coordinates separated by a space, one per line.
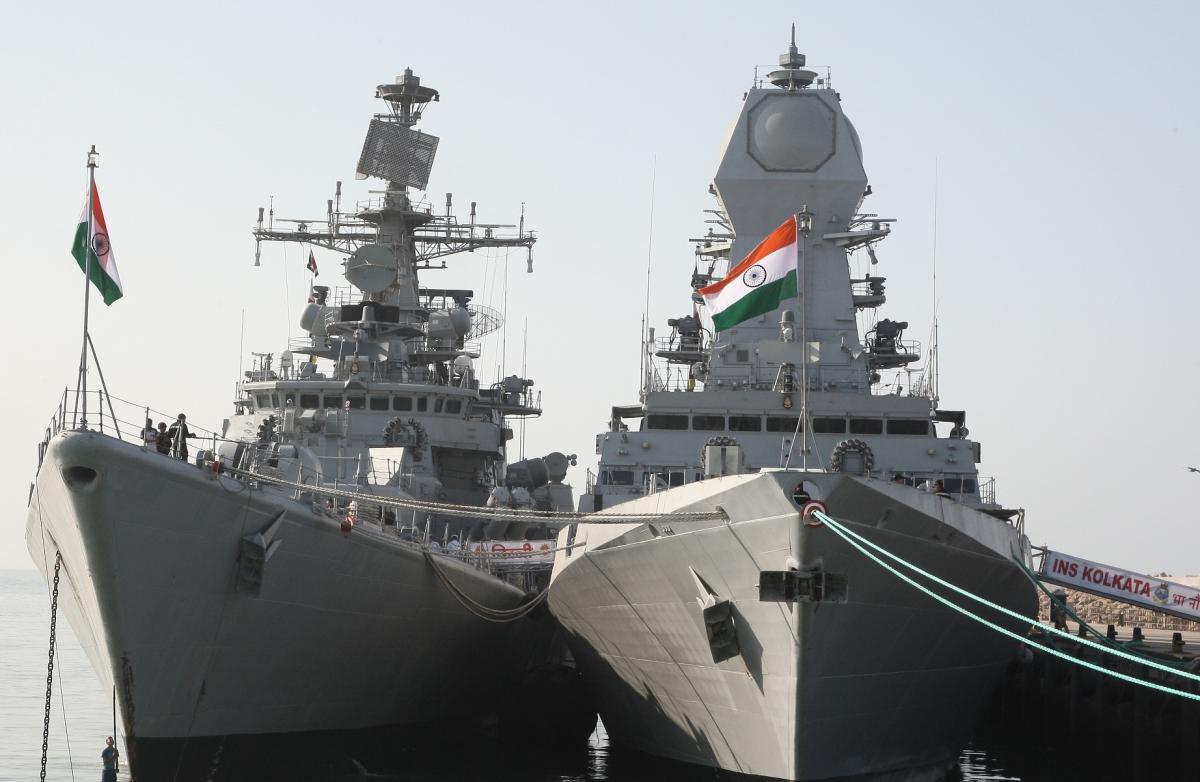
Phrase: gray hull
pixel 348 631
pixel 878 679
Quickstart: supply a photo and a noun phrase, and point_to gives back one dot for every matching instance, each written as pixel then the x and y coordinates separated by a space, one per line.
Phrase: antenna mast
pixel 934 353
pixel 646 310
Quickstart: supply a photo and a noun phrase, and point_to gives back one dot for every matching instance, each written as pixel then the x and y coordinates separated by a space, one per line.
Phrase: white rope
pixel 476 511
pixel 497 615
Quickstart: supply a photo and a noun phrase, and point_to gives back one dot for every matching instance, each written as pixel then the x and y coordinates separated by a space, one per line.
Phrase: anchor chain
pixel 50 664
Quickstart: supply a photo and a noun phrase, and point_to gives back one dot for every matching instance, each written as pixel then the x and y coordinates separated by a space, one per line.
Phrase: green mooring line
pixel 1107 645
pixel 853 539
pixel 1141 660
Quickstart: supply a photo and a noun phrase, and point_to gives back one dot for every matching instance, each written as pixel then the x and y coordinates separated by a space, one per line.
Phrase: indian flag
pixel 103 267
pixel 764 278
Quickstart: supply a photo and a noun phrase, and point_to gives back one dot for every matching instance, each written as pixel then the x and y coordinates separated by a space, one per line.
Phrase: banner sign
pixel 523 551
pixel 1134 588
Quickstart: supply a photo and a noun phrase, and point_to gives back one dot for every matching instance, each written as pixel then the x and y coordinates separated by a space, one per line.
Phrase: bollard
pixel 1137 635
pixel 1112 633
pixel 1177 643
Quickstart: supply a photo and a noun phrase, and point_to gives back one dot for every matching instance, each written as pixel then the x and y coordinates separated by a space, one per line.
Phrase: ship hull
pixel 878 678
pixel 346 632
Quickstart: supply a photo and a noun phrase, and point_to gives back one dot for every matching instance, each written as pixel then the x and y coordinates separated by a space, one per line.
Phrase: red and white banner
pixel 1133 588
pixel 526 551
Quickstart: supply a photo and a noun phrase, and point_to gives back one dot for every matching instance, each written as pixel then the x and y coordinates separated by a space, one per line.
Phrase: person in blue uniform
pixel 109 756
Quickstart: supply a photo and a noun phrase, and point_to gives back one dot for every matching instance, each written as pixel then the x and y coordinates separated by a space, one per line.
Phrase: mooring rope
pixel 476 511
pixel 861 544
pixel 497 615
pixel 1109 644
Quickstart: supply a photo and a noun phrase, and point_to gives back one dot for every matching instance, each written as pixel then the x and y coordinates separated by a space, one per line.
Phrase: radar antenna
pixel 792 75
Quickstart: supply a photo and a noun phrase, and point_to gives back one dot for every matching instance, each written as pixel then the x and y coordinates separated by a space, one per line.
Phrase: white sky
pixel 1065 135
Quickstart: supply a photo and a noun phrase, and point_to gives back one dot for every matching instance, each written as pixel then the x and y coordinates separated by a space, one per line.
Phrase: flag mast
pixel 87 280
pixel 803 227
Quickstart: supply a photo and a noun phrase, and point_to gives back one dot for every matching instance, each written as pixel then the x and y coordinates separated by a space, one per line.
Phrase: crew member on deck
pixel 150 435
pixel 109 756
pixel 163 443
pixel 179 435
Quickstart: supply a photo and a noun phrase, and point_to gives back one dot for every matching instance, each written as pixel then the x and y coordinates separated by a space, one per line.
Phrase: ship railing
pixel 112 416
pixel 378 204
pixel 893 347
pixel 682 344
pixel 670 377
pixel 904 381
pixel 414 528
pixel 987 490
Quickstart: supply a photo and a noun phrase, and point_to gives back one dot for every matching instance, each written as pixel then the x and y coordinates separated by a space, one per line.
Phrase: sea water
pixel 82 716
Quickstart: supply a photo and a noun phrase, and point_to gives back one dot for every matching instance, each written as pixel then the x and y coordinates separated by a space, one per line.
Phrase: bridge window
pixel 378 403
pixel 660 421
pixel 745 423
pixel 959 485
pixel 333 400
pixel 901 426
pixel 437 404
pixel 453 405
pixel 357 402
pixel 708 423
pixel 616 477
pixel 866 426
pixel 310 401
pixel 402 403
pixel 422 404
pixel 829 425
pixel 262 401
pixel 782 423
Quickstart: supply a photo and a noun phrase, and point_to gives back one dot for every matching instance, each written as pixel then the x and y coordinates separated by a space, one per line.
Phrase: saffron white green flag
pixel 103 266
pixel 755 286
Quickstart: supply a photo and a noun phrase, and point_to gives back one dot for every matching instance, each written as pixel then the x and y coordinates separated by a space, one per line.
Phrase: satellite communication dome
pixel 371 268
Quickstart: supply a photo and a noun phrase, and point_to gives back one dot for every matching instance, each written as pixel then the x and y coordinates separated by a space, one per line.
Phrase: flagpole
pixel 87 279
pixel 803 226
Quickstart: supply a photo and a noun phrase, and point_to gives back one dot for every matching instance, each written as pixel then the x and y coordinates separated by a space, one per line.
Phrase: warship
pixel 317 567
pixel 763 643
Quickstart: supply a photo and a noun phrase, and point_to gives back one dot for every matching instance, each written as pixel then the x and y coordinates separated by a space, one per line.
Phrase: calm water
pixel 87 719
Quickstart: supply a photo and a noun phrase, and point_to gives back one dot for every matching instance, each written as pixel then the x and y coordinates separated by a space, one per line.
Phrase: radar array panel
pixel 397 154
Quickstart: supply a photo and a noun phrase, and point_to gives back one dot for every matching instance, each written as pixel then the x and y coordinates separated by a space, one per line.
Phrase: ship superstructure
pixel 824 356
pixel 294 576
pixel 764 644
pixel 383 387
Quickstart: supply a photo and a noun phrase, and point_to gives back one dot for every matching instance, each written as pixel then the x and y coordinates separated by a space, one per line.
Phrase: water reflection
pixel 595 761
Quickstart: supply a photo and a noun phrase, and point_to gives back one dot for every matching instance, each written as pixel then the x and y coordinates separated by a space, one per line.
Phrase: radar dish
pixel 397 154
pixel 484 320
pixel 371 268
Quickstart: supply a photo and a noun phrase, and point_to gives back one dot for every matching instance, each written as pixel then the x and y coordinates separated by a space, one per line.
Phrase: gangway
pixel 1155 593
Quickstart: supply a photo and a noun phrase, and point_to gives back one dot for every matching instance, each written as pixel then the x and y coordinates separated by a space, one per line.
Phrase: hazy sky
pixel 1065 136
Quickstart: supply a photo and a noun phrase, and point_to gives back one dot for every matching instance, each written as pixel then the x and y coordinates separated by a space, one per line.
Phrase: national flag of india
pixel 103 267
pixel 764 278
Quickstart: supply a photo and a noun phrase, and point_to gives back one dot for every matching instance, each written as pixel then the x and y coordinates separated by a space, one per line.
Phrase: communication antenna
pixel 934 352
pixel 524 355
pixel 649 251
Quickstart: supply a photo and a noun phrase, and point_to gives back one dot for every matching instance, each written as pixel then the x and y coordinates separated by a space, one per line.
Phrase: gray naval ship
pixel 286 581
pixel 764 643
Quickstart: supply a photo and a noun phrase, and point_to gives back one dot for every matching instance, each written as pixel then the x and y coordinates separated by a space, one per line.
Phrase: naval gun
pixel 534 484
